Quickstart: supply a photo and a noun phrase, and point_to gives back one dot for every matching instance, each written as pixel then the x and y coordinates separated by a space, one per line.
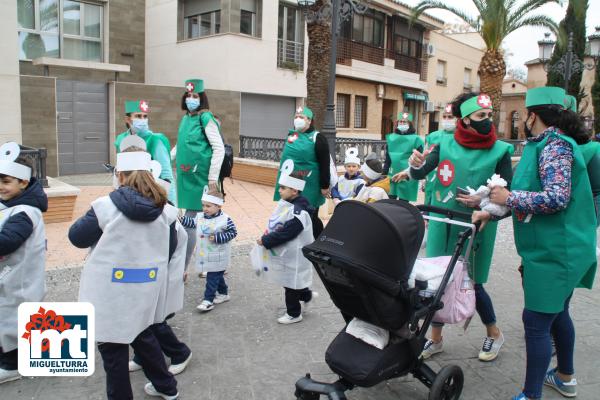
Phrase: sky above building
pixel 522 44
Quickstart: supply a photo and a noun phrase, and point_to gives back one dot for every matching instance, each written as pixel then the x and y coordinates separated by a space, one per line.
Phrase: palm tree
pixel 496 20
pixel 317 70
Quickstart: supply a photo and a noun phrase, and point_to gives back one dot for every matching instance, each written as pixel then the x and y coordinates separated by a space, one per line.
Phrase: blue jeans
pixel 538 327
pixel 483 305
pixel 215 283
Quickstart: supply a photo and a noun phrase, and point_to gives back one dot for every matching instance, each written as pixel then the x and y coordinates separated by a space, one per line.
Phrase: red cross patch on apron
pixel 445 173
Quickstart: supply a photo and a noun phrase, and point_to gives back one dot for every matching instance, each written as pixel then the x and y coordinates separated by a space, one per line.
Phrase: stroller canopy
pixel 384 236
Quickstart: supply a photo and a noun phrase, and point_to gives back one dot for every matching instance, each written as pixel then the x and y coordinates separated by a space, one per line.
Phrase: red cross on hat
pixel 448 109
pixel 190 87
pixel 484 100
pixel 405 116
pixel 144 106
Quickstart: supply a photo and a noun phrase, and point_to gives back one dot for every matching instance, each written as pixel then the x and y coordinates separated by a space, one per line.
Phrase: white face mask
pixel 403 127
pixel 299 124
pixel 449 124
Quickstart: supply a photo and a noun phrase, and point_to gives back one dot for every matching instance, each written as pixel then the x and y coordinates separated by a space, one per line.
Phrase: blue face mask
pixel 140 125
pixel 192 103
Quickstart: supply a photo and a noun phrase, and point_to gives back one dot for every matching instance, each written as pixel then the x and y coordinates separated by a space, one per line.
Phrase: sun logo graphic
pixel 56 339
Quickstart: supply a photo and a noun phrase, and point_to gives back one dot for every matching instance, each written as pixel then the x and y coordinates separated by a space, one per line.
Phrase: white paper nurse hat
pixel 352 156
pixel 368 171
pixel 286 180
pixel 209 198
pixel 135 160
pixel 9 152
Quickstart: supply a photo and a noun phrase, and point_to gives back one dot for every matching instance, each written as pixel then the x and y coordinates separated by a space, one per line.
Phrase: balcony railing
pixel 349 50
pixel 290 55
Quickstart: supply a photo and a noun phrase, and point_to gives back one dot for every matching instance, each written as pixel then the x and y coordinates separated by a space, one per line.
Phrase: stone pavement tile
pixel 240 352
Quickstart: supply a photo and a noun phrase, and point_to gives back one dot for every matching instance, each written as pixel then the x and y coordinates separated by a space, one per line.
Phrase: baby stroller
pixel 366 273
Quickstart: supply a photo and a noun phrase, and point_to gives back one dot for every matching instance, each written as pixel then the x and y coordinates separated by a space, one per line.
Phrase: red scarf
pixel 470 138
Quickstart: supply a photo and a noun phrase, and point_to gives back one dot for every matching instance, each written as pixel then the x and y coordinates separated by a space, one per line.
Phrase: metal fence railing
pixel 269 149
pixel 37 158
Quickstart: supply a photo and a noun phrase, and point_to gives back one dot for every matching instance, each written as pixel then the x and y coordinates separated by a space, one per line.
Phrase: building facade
pixel 512 110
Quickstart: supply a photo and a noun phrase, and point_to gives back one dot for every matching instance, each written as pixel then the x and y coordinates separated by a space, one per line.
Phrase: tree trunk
pixel 492 70
pixel 317 71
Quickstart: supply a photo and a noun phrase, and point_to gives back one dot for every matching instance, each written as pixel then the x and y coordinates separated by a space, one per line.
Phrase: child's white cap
pixel 368 171
pixel 9 152
pixel 135 160
pixel 212 199
pixel 352 156
pixel 286 180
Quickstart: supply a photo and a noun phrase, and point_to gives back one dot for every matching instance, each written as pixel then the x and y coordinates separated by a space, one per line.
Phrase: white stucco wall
pixel 225 62
pixel 10 92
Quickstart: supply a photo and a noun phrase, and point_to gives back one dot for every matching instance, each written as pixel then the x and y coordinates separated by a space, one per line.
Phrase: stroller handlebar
pixel 452 214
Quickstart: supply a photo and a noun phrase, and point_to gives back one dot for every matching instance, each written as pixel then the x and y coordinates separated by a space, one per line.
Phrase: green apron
pixel 194 154
pixel 558 250
pixel 461 167
pixel 400 148
pixel 300 148
pixel 151 138
pixel 432 139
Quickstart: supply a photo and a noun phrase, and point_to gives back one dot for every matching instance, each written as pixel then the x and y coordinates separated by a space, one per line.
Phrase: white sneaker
pixel 7 375
pixel 176 369
pixel 202 275
pixel 306 304
pixel 286 319
pixel 133 366
pixel 491 348
pixel 432 348
pixel 205 306
pixel 221 298
pixel 151 391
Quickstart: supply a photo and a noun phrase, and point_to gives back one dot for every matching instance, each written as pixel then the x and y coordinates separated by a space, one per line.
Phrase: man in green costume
pixel 157 144
pixel 552 207
pixel 400 145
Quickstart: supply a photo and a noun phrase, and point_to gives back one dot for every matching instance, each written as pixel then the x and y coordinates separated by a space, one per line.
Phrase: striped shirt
pixel 226 235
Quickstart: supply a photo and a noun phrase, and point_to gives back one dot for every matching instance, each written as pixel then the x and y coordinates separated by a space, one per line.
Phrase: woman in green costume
pixel 310 153
pixel 200 153
pixel 466 159
pixel 399 146
pixel 555 235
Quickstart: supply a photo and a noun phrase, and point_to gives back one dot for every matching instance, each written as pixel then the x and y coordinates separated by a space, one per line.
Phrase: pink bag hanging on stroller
pixel 459 296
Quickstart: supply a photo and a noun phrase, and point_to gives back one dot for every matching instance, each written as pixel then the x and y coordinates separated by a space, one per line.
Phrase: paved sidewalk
pixel 240 352
pixel 248 204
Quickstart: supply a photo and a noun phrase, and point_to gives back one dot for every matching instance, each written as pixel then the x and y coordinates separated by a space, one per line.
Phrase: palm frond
pixel 534 20
pixel 436 4
pixel 528 7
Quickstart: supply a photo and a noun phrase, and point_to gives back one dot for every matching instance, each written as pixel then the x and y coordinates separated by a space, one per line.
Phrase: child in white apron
pixel 347 184
pixel 290 229
pixel 22 249
pixel 133 234
pixel 214 232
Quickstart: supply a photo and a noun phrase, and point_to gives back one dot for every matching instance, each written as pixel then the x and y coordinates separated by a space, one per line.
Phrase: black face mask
pixel 527 129
pixel 484 126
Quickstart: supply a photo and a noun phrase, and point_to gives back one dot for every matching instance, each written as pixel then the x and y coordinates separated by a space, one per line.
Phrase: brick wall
pixel 38 117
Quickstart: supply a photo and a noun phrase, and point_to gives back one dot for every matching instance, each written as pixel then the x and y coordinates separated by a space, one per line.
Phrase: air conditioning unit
pixel 429 106
pixel 430 50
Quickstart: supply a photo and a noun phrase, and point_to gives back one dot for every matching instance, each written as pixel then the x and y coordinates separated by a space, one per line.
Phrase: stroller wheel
pixel 448 384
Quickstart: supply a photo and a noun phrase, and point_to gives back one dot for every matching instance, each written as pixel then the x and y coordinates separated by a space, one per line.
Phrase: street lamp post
pixel 569 64
pixel 338 11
